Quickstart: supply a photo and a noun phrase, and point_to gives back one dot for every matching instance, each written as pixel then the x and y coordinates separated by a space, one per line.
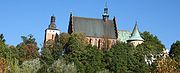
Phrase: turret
pixel 135 37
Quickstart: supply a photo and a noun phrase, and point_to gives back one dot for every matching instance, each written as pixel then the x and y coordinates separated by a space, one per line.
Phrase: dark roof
pixel 93 27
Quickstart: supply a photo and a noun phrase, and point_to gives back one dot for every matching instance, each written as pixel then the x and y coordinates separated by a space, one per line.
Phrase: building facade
pixel 99 32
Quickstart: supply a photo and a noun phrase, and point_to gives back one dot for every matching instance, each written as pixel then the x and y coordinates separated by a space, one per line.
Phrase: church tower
pixel 135 37
pixel 51 31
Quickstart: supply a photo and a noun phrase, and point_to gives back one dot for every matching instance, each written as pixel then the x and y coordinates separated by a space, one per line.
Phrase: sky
pixel 23 17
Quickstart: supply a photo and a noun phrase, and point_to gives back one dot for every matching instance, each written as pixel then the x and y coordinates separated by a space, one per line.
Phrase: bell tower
pixel 51 32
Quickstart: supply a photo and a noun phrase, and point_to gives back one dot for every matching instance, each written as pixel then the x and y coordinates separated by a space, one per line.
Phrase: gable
pixel 94 27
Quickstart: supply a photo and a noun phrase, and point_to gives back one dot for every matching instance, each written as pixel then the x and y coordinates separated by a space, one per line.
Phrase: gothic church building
pixel 99 32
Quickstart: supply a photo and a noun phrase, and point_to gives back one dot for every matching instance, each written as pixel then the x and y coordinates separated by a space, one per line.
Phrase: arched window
pixel 90 41
pixel 52 37
pixel 113 42
pixel 96 42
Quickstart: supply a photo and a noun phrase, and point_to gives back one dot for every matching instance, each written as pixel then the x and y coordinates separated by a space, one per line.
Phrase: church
pixel 100 32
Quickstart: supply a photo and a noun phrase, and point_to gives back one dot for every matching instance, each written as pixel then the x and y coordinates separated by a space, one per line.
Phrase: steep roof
pixel 124 35
pixel 135 35
pixel 93 27
pixel 52 25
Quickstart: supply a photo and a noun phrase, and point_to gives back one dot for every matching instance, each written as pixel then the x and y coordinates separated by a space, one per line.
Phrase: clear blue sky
pixel 23 17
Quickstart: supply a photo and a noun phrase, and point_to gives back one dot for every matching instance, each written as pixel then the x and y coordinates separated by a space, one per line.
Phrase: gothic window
pixel 96 42
pixel 52 36
pixel 99 43
pixel 90 41
pixel 113 42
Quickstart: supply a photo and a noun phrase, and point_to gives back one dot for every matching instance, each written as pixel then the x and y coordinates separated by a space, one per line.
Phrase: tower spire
pixel 52 22
pixel 105 15
pixel 135 37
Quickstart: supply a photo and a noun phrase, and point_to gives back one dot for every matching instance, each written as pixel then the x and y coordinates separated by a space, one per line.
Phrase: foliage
pixel 152 45
pixel 3 65
pixel 60 66
pixel 4 51
pixel 166 65
pixel 52 52
pixel 2 38
pixel 151 48
pixel 28 48
pixel 88 59
pixel 125 58
pixel 31 66
pixel 64 38
pixel 174 52
pixel 14 66
pixel 69 53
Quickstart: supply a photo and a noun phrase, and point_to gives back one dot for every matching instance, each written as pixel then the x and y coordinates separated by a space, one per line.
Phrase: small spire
pixel 52 23
pixel 53 19
pixel 135 33
pixel 71 13
pixel 105 15
pixel 106 5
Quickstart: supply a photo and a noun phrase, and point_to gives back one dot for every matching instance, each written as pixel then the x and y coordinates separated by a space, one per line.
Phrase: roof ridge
pixel 89 18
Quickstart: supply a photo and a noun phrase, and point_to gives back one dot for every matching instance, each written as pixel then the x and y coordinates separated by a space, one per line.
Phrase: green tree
pixel 52 52
pixel 28 48
pixel 152 45
pixel 92 59
pixel 5 52
pixel 151 48
pixel 174 52
pixel 87 58
pixel 2 38
pixel 30 66
pixel 125 58
pixel 74 48
pixel 64 38
pixel 60 66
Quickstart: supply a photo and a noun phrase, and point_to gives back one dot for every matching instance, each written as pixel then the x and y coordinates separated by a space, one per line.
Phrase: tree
pixel 52 52
pixel 74 48
pixel 64 38
pixel 166 65
pixel 87 58
pixel 60 66
pixel 151 48
pixel 92 59
pixel 174 52
pixel 5 52
pixel 2 38
pixel 3 65
pixel 152 43
pixel 28 48
pixel 125 58
pixel 31 66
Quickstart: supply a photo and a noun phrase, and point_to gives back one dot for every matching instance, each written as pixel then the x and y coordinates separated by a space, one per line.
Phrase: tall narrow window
pixel 99 43
pixel 52 37
pixel 96 42
pixel 90 41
